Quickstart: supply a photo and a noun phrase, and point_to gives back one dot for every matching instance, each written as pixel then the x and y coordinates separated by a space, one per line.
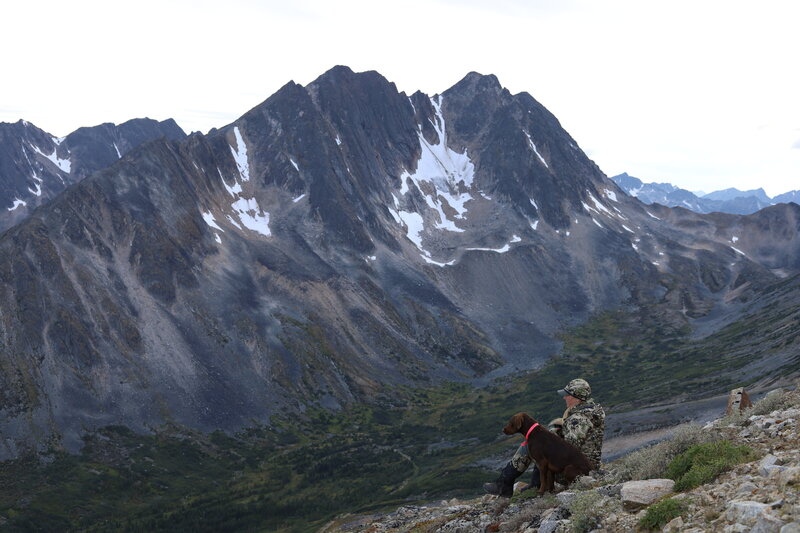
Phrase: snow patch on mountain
pixel 252 216
pixel 533 146
pixel 599 206
pixel 17 203
pixel 209 219
pixel 63 164
pixel 233 191
pixel 446 170
pixel 38 191
pixel 240 155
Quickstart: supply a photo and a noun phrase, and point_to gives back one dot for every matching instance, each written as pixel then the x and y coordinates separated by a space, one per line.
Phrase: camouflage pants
pixel 521 460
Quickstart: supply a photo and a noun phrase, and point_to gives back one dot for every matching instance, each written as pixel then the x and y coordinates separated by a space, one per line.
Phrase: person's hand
pixel 557 426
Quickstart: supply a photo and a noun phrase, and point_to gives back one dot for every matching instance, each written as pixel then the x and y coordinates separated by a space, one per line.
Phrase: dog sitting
pixel 553 455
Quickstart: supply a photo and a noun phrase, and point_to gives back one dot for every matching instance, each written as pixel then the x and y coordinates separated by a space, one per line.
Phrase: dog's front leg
pixel 544 476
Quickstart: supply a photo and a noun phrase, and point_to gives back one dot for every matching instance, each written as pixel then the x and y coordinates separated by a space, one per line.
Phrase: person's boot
pixel 535 479
pixel 504 485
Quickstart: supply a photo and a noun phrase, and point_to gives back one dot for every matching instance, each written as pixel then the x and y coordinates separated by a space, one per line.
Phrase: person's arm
pixel 576 429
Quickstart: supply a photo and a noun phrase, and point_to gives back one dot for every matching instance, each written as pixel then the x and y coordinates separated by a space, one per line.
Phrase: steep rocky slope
pixel 36 166
pixel 339 241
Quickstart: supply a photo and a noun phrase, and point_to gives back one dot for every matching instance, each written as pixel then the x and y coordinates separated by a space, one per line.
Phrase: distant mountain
pixel 791 196
pixel 36 166
pixel 733 193
pixel 659 193
pixel 731 200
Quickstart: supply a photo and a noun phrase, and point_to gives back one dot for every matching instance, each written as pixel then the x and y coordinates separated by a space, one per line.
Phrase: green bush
pixel 652 461
pixel 659 514
pixel 702 463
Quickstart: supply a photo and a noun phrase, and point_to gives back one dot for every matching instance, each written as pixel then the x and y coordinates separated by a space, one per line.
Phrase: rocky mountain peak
pixel 336 239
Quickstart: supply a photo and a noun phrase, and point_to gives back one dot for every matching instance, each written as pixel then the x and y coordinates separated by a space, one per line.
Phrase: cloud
pixel 796 144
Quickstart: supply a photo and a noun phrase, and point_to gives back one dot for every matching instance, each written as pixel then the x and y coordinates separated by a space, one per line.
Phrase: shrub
pixel 651 462
pixel 589 508
pixel 702 463
pixel 660 513
pixel 774 400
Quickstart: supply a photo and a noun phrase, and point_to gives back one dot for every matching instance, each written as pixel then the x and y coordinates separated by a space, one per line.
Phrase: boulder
pixel 612 491
pixel 790 476
pixel 769 465
pixel 642 493
pixel 746 511
pixel 565 498
pixel 767 523
pixel 674 526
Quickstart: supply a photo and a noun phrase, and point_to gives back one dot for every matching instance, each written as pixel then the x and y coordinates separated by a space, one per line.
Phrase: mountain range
pixel 36 166
pixel 339 243
pixel 729 200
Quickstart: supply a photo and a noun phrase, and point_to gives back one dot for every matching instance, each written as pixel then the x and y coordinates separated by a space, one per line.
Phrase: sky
pixel 701 94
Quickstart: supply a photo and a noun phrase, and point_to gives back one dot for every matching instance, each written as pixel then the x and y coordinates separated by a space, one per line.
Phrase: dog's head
pixel 517 422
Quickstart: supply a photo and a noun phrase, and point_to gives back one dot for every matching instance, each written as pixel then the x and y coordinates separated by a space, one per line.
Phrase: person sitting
pixel 583 425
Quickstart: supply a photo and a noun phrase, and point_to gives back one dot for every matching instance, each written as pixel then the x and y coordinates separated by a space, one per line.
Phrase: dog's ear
pixel 517 420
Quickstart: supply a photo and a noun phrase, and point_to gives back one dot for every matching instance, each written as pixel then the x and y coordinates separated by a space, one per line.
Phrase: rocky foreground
pixel 759 496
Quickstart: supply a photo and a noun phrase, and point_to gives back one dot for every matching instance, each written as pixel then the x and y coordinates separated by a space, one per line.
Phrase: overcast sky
pixel 703 94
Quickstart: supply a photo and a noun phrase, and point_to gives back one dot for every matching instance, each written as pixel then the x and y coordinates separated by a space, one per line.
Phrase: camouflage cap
pixel 577 388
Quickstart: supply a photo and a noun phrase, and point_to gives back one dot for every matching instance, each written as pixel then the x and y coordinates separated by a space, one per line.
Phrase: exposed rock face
pixel 36 166
pixel 338 240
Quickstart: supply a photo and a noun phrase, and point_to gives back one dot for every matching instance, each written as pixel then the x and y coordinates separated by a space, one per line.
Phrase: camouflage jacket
pixel 584 426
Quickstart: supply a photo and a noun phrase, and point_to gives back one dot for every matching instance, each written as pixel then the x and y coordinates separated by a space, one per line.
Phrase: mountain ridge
pixel 36 166
pixel 729 200
pixel 336 240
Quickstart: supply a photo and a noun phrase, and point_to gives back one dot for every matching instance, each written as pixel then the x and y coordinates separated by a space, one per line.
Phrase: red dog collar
pixel 528 433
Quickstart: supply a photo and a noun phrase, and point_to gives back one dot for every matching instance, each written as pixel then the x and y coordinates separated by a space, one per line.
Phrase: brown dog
pixel 553 455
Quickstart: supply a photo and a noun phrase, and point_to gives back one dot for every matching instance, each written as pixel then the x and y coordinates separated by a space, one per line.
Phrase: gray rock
pixel 793 527
pixel 767 524
pixel 746 489
pixel 549 526
pixel 790 476
pixel 641 493
pixel 612 491
pixel 674 525
pixel 565 498
pixel 766 462
pixel 745 511
pixel 552 520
